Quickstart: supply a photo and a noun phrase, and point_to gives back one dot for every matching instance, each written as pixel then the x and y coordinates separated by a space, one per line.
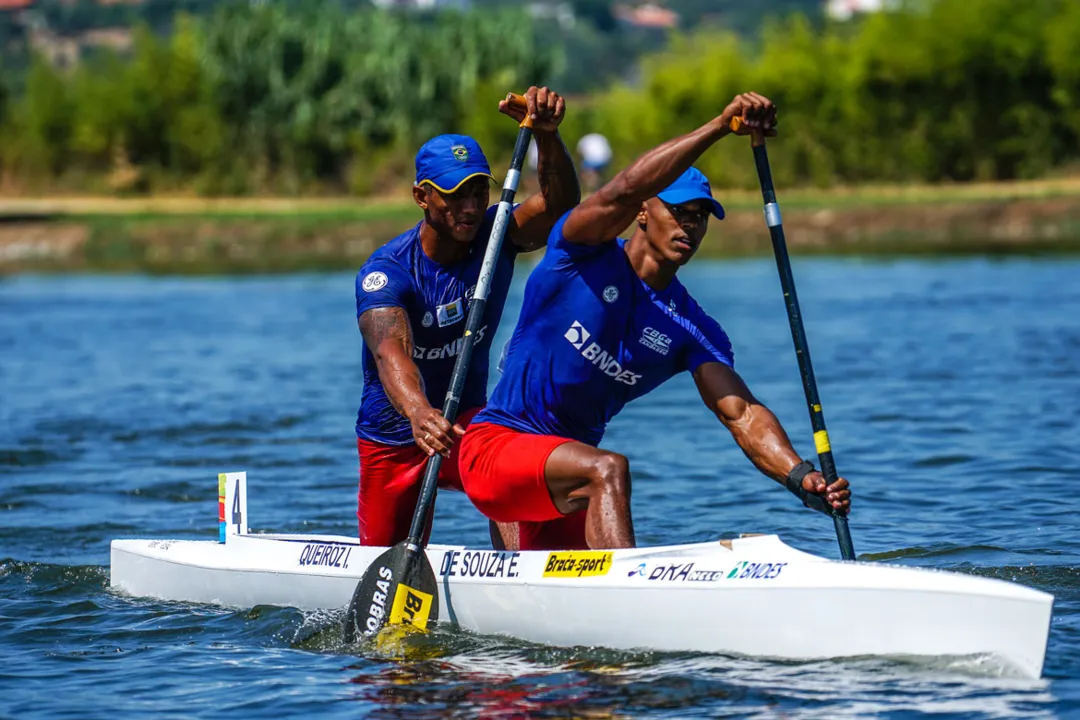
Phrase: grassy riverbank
pixel 193 235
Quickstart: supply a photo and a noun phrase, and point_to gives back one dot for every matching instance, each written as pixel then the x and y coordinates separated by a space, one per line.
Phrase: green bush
pixel 286 97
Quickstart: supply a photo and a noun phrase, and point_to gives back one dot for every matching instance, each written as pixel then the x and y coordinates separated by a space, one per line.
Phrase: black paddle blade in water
pixel 398 588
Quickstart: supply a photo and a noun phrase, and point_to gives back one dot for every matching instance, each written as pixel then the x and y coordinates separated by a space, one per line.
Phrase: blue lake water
pixel 951 389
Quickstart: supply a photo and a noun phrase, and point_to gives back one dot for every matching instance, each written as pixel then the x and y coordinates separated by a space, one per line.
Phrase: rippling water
pixel 951 388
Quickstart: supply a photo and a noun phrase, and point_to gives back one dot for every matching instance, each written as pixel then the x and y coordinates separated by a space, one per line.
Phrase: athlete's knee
pixel 504 536
pixel 610 472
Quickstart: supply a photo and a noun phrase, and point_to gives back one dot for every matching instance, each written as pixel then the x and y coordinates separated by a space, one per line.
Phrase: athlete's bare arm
pixel 388 336
pixel 559 188
pixel 758 432
pixel 611 209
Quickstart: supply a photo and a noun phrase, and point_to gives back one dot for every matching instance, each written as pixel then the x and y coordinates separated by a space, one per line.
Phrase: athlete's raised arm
pixel 759 433
pixel 559 187
pixel 388 336
pixel 611 209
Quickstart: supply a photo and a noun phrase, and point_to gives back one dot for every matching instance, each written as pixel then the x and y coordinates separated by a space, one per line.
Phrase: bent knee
pixel 610 472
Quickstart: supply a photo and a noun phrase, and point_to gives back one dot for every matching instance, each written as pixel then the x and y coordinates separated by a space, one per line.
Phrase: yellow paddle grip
pixel 518 101
pixel 757 136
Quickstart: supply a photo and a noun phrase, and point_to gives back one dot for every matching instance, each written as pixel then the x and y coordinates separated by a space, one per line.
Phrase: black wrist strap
pixel 793 482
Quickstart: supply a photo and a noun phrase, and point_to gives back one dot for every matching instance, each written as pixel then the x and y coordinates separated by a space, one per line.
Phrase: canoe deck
pixel 749 596
pixel 753 596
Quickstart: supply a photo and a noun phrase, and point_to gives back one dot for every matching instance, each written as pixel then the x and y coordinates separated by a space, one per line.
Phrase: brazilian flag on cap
pixel 447 161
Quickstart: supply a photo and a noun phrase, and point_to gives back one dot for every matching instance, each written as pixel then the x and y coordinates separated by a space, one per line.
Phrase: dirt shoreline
pixel 272 235
pixel 397 200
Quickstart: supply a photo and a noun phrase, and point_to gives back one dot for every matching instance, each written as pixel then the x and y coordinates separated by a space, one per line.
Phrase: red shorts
pixel 390 479
pixel 503 474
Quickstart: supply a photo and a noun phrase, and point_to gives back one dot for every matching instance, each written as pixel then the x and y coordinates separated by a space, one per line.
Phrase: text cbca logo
pixel 577 335
pixel 655 340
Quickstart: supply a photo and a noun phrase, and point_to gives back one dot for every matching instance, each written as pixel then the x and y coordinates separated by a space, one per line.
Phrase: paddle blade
pixel 397 588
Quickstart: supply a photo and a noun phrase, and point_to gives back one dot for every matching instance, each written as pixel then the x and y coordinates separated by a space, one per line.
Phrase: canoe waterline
pixel 753 596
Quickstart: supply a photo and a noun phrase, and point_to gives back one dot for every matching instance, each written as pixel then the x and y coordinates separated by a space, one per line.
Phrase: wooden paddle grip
pixel 757 136
pixel 518 102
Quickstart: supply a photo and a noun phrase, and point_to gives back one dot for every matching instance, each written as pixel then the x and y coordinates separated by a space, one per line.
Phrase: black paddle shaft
pixel 399 586
pixel 798 335
pixel 472 326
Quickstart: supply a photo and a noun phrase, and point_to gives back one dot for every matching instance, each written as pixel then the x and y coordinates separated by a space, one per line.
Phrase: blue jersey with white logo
pixel 436 299
pixel 592 336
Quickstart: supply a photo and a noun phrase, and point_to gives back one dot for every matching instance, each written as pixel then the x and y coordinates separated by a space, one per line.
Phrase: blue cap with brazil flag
pixel 447 161
pixel 691 185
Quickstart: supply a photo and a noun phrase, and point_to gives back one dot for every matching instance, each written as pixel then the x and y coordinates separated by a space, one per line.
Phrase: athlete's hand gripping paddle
pixel 798 334
pixel 399 586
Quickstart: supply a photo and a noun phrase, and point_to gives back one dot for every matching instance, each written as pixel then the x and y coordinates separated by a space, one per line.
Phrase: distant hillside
pixel 739 15
pixel 602 40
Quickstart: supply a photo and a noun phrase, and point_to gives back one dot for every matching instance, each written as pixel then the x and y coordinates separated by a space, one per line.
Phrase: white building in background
pixel 560 12
pixel 422 4
pixel 844 9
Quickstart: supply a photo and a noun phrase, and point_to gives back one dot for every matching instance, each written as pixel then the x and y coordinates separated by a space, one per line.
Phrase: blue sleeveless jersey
pixel 436 299
pixel 592 336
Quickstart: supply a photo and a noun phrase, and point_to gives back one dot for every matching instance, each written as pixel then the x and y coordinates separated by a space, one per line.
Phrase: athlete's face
pixel 675 231
pixel 455 215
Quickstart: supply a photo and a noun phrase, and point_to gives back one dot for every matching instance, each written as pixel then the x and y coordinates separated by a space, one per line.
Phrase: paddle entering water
pixel 399 587
pixel 802 347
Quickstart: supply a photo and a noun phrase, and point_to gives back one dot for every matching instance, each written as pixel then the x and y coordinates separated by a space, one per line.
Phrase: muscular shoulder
pixel 385 280
pixel 397 250
pixel 708 337
pixel 565 254
pixel 684 302
pixel 391 261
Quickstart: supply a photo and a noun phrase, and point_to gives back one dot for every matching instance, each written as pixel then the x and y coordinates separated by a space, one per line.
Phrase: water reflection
pixel 500 686
pixel 455 673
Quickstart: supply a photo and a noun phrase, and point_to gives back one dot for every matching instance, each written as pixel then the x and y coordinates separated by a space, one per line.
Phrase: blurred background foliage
pixel 280 97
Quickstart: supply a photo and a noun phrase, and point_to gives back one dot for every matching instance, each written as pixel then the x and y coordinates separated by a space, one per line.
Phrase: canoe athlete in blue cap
pixel 412 297
pixel 605 321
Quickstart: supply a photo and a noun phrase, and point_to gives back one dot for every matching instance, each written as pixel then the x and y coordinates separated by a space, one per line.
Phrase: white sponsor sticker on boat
pixel 746 570
pixel 325 555
pixel 480 563
pixel 676 572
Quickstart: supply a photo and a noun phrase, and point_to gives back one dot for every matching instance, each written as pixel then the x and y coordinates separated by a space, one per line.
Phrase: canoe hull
pixel 752 596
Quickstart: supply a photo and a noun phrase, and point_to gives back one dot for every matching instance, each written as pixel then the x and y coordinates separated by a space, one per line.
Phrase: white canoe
pixel 751 596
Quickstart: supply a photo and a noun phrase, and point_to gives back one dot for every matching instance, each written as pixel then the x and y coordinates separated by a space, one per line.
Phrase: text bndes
pixel 449 350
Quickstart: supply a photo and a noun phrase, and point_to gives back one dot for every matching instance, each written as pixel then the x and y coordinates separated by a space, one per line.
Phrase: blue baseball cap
pixel 691 185
pixel 447 161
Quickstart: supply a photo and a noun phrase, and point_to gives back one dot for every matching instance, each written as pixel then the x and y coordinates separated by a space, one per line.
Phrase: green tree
pixel 1062 49
pixel 100 104
pixel 43 119
pixel 952 89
